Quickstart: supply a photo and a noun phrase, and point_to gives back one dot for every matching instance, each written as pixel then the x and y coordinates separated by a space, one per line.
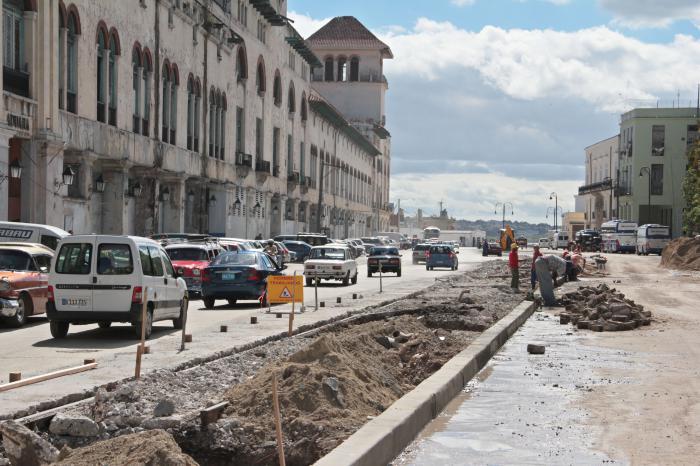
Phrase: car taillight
pixel 137 295
pixel 254 275
pixel 427 255
pixel 49 294
pixel 206 275
pixel 337 267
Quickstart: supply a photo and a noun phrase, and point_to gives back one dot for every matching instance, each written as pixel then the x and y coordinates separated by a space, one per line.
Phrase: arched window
pixel 217 127
pixel 222 124
pixel 328 75
pixel 174 83
pixel 146 75
pixel 342 69
pixel 260 77
pixel 354 69
pixel 304 110
pixel 277 89
pixel 62 28
pixel 241 64
pixel 72 60
pixel 197 113
pixel 166 101
pixel 136 70
pixel 101 61
pixel 291 99
pixel 212 123
pixel 113 52
pixel 190 112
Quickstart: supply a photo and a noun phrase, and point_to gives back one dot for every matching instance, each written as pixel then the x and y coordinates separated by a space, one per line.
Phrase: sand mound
pixel 152 447
pixel 682 253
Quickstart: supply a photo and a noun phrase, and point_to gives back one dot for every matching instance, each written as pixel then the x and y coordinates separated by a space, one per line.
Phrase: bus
pixel 619 236
pixel 431 233
pixel 652 238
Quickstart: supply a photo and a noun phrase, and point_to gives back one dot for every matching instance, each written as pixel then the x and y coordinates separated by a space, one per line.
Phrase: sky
pixel 495 100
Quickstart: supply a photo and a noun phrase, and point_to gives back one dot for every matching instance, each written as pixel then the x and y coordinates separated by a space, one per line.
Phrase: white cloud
pixel 599 65
pixel 652 13
pixel 462 2
pixel 305 24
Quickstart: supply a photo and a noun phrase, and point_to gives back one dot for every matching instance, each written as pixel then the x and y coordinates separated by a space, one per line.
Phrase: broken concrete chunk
pixel 73 426
pixel 533 348
pixel 164 408
pixel 331 388
pixel 24 447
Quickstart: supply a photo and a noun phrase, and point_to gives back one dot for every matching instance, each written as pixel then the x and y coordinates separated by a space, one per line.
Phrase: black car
pixel 588 240
pixel 300 248
pixel 388 257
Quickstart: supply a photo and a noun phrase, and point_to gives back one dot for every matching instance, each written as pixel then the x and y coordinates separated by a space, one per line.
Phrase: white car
pixel 331 262
pixel 104 278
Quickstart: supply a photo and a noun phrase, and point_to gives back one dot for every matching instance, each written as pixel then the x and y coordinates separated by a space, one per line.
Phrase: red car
pixel 189 259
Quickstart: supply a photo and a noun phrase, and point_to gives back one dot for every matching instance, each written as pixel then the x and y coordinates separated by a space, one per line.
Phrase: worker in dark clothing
pixel 485 248
pixel 533 274
pixel 514 265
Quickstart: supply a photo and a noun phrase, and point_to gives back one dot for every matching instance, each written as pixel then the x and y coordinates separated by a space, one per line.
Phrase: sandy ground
pixel 655 417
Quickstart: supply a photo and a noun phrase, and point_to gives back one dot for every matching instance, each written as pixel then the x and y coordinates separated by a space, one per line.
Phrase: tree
pixel 691 191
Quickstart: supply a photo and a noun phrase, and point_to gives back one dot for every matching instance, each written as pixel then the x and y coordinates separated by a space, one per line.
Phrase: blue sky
pixel 495 100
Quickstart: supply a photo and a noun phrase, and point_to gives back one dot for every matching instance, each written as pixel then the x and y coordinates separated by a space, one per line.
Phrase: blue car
pixel 441 255
pixel 300 248
pixel 237 275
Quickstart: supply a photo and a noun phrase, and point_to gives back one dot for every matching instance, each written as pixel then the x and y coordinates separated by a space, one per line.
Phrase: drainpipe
pixel 205 132
pixel 156 76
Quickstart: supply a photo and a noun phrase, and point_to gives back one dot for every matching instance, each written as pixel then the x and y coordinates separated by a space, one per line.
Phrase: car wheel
pixel 354 279
pixel 148 324
pixel 346 279
pixel 232 302
pixel 180 321
pixel 58 329
pixel 309 282
pixel 104 324
pixel 369 274
pixel 209 303
pixel 24 308
pixel 398 274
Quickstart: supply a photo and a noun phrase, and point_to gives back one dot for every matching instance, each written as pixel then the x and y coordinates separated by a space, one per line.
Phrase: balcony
pixel 15 81
pixel 604 185
pixel 262 170
pixel 293 178
pixel 244 160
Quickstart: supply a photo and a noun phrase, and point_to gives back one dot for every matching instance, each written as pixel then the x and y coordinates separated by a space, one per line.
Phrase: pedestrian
pixel 514 265
pixel 485 248
pixel 536 254
pixel 548 268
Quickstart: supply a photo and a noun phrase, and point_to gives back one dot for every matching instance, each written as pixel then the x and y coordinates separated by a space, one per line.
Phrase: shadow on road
pixel 31 322
pixel 117 336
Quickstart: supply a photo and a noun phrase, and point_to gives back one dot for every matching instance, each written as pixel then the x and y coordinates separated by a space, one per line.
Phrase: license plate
pixel 228 276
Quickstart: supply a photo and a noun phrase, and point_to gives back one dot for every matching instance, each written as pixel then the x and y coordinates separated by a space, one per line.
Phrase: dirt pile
pixel 153 447
pixel 682 254
pixel 601 309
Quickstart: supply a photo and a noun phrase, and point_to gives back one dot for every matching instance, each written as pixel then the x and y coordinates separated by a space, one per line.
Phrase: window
pixel 167 265
pixel 74 259
pixel 137 69
pixel 328 73
pixel 354 69
pixel 13 34
pixel 291 99
pixel 342 69
pixel 61 57
pixel 146 73
pixel 170 85
pixel 302 161
pixel 657 179
pixel 212 123
pixel 260 77
pixel 156 261
pixel 43 263
pixel 658 134
pixel 197 113
pixel 258 140
pixel 290 155
pixel 692 135
pixel 166 98
pixel 72 63
pixel 190 113
pixel 113 52
pixel 222 125
pixel 241 64
pixel 101 41
pixel 146 266
pixel 275 151
pixel 173 102
pixel 277 90
pixel 50 241
pixel 114 259
pixel 304 110
pixel 240 115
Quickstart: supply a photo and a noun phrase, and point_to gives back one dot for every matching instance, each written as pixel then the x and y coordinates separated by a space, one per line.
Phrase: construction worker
pixel 548 268
pixel 514 264
pixel 535 255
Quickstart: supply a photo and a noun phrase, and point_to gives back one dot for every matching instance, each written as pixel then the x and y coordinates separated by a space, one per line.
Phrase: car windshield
pixel 371 241
pixel 294 246
pixel 328 253
pixel 187 254
pixel 385 252
pixel 421 247
pixel 234 258
pixel 14 260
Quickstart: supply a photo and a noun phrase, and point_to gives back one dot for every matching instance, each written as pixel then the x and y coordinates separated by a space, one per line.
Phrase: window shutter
pixel 8 38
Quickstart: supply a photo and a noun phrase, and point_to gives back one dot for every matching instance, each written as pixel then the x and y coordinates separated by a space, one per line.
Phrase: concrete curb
pixel 379 441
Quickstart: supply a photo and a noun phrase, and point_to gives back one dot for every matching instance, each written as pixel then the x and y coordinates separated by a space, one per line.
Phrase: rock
pixel 163 423
pixel 331 388
pixel 385 341
pixel 626 325
pixel 620 318
pixel 535 349
pixel 582 324
pixel 73 426
pixel 24 447
pixel 164 408
pixel 564 319
pixel 610 327
pixel 125 393
pixel 596 327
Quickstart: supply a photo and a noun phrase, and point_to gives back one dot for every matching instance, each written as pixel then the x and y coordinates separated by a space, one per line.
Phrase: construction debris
pixel 602 308
pixel 533 348
pixel 24 447
pixel 682 254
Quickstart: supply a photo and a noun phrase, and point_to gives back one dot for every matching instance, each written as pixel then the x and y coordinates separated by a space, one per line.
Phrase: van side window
pixel 74 259
pixel 114 259
pixel 156 261
pixel 44 263
pixel 146 266
pixel 49 241
pixel 169 270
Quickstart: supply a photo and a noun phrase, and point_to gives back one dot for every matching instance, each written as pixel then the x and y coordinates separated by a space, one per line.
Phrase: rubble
pixel 682 254
pixel 73 426
pixel 24 447
pixel 602 309
pixel 533 348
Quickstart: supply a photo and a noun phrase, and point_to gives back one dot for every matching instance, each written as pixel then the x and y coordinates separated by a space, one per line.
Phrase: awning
pixel 268 12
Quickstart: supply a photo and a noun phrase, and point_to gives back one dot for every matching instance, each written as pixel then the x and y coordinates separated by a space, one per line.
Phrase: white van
pixel 102 279
pixel 31 233
pixel 560 239
pixel 652 238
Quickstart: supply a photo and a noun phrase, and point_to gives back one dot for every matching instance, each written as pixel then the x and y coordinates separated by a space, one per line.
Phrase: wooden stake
pixel 140 349
pixel 15 376
pixel 50 375
pixel 291 316
pixel 184 324
pixel 278 423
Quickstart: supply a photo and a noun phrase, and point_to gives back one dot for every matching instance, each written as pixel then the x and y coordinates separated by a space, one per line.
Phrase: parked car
pixel 521 241
pixel 419 252
pixel 104 278
pixel 300 248
pixel 331 262
pixel 36 233
pixel 441 255
pixel 387 257
pixel 314 239
pixel 544 243
pixel 235 276
pixel 24 280
pixel 189 259
pixel 494 249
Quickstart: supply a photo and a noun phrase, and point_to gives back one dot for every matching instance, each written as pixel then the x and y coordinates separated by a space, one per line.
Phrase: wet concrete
pixel 520 408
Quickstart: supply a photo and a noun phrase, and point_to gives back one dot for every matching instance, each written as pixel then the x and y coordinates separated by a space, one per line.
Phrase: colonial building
pixel 145 116
pixel 598 194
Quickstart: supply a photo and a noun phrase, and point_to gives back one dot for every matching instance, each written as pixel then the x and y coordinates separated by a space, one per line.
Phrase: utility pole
pixel 503 205
pixel 642 171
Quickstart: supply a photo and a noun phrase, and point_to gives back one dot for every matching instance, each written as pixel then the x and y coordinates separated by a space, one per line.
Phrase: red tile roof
pixel 346 32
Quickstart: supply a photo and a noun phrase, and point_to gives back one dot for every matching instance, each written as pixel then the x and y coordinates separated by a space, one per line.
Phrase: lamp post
pixel 503 205
pixel 554 212
pixel 647 171
pixel 556 208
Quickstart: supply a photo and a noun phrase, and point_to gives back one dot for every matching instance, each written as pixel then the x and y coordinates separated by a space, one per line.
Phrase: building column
pixel 174 209
pixel 4 167
pixel 115 201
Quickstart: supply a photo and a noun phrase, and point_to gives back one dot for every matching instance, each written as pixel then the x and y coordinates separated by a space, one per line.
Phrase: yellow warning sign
pixel 285 289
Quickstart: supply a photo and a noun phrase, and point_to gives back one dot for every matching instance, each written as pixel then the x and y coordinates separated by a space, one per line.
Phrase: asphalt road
pixel 32 351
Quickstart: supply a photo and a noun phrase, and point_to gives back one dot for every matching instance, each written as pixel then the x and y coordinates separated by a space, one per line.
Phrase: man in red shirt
pixel 514 264
pixel 533 275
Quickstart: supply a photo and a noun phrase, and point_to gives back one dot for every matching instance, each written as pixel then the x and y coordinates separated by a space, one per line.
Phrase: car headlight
pixel 5 285
pixel 196 272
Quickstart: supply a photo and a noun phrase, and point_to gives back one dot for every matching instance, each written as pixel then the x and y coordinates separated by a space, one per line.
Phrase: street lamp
pixel 165 194
pixel 642 171
pixel 556 208
pixel 100 184
pixel 503 204
pixel 15 171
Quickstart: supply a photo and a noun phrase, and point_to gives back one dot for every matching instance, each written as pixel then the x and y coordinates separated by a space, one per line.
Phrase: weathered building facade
pixel 146 116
